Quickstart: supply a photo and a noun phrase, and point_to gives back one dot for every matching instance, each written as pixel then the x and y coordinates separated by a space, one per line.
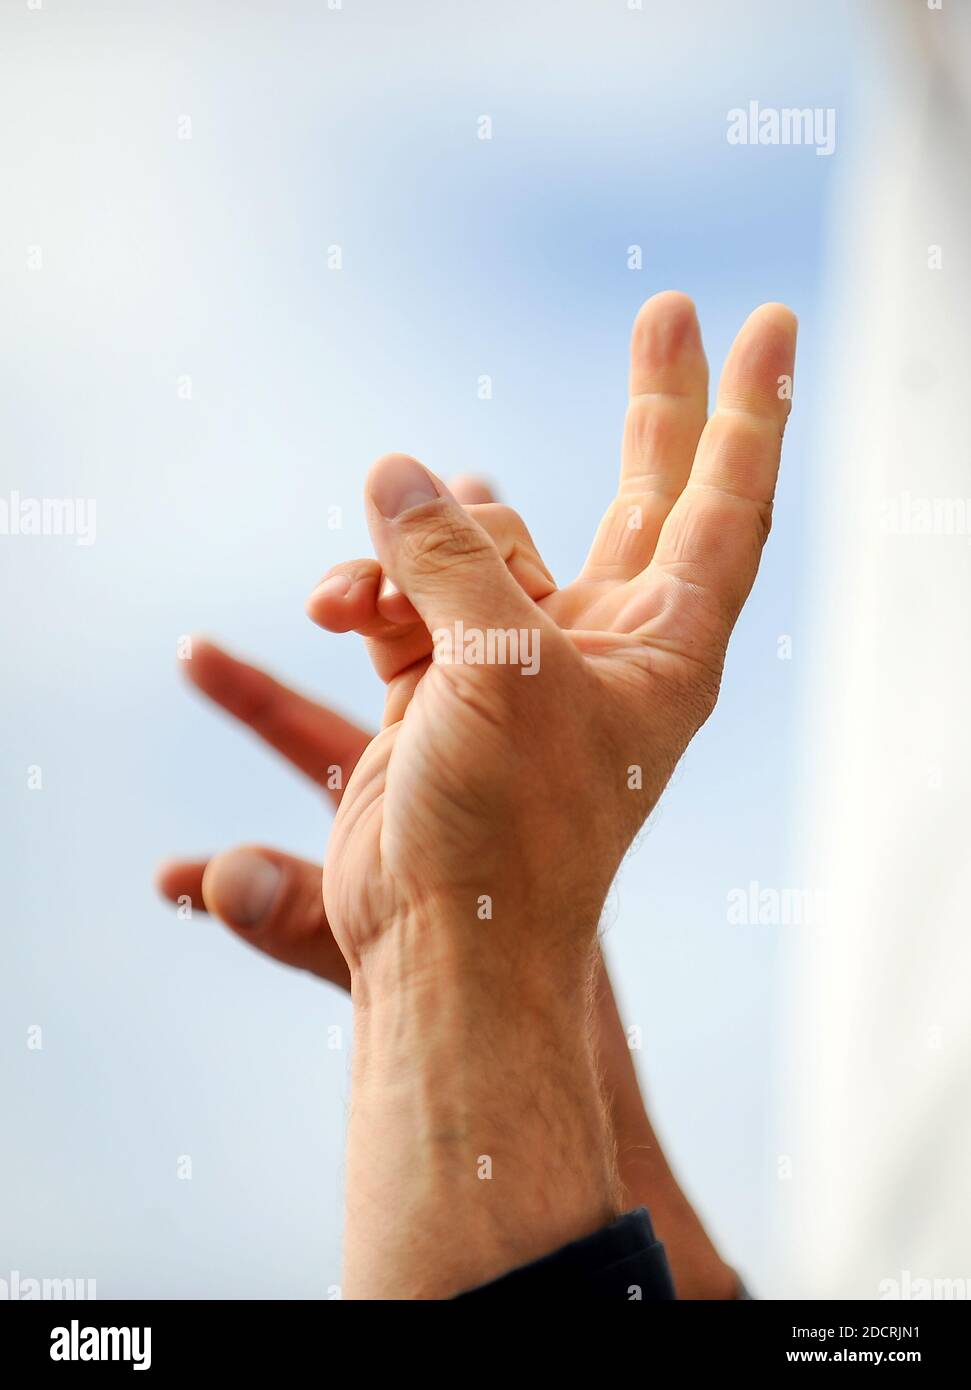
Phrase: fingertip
pixel 669 301
pixel 776 308
pixel 396 483
pixel 179 878
pixel 671 309
pixel 666 351
pixel 202 660
pixel 758 371
pixel 241 886
pixel 326 605
pixel 775 316
pixel 342 602
pixel 334 588
pixel 164 877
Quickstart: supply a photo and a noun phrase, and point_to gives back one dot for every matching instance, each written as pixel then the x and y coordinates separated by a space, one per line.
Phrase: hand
pixel 449 806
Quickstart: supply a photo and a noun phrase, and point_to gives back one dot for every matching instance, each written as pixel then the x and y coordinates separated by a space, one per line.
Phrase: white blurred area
pixel 166 258
pixel 879 1094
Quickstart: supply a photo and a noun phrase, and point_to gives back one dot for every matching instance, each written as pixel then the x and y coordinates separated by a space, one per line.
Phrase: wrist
pixel 471 942
pixel 477 1128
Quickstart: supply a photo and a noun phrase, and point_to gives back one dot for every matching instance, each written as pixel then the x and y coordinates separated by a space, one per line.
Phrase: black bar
pixel 323 1338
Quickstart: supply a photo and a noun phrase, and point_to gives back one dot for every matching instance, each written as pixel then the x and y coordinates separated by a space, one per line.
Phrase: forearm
pixel 477 1138
pixel 644 1174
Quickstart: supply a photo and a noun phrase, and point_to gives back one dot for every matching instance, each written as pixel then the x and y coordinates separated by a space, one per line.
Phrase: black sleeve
pixel 624 1260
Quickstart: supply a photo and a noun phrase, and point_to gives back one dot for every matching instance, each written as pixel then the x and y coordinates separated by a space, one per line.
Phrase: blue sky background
pixel 208 257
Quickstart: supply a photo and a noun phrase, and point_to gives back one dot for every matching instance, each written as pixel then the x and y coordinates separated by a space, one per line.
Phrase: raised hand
pixel 449 808
pixel 479 833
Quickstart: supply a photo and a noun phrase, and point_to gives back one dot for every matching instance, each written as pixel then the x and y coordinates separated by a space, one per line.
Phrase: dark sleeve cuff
pixel 624 1260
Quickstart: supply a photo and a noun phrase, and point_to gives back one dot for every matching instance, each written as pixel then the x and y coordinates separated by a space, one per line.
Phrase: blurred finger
pixel 271 900
pixel 180 880
pixel 312 737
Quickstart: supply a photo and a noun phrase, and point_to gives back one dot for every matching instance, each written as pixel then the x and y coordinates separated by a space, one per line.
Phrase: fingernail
pixel 388 588
pixel 245 887
pixel 400 483
pixel 337 586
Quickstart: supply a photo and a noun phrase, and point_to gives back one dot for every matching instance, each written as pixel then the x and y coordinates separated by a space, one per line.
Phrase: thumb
pixel 436 553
